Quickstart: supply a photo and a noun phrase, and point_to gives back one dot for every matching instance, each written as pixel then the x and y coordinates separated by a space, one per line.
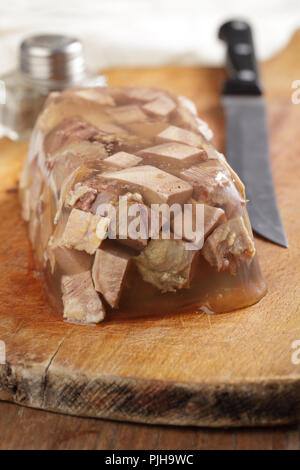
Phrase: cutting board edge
pixel 152 401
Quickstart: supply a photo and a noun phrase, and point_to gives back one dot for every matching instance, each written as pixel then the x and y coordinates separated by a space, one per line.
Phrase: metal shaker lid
pixel 52 57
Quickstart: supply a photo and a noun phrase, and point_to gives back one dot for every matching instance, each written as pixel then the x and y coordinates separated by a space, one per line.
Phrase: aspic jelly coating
pixel 140 149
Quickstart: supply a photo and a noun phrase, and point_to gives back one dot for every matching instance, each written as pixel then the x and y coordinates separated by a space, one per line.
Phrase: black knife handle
pixel 241 62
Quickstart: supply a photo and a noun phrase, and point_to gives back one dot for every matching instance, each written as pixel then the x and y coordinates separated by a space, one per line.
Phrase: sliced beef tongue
pixel 148 129
pixel 106 195
pixel 139 223
pixel 135 94
pixel 110 271
pixel 122 160
pixel 67 260
pixel 132 221
pixel 213 185
pixel 127 114
pixel 177 134
pixel 183 117
pixel 155 185
pixel 95 95
pixel 198 218
pixel 108 128
pixel 213 216
pixel 81 302
pixel 173 153
pixel 161 106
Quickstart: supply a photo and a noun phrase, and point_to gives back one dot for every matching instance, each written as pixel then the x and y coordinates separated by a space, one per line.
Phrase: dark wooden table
pixel 24 428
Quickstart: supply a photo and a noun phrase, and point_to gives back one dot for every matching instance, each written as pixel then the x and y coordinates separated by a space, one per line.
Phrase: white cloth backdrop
pixel 146 32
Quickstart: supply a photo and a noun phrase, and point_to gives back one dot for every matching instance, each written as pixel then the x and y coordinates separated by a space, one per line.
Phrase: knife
pixel 247 131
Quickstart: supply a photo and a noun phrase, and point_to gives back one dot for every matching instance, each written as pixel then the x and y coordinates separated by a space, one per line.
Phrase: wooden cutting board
pixel 232 369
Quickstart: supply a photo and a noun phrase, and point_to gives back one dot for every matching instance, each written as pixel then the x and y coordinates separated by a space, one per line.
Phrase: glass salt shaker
pixel 47 63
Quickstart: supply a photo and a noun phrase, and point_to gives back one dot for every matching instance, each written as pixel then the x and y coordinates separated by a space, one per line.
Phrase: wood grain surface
pixel 191 369
pixel 25 428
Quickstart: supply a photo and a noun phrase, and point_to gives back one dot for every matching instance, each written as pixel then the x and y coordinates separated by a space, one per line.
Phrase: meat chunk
pixel 135 94
pixel 109 128
pixel 155 185
pixel 161 106
pixel 67 185
pixel 81 302
pixel 213 216
pixel 206 182
pixel 95 95
pixel 147 128
pixel 127 114
pixel 174 153
pixel 238 183
pixel 167 264
pixel 183 136
pixel 72 156
pixel 67 105
pixel 81 195
pixel 85 231
pixel 132 222
pixel 122 160
pixel 68 130
pixel 108 195
pixel 214 186
pixel 110 269
pixel 188 223
pixel 137 224
pixel 69 261
pixel 184 117
pixel 85 202
pixel 83 153
pixel 212 153
pixel 229 246
pixel 196 226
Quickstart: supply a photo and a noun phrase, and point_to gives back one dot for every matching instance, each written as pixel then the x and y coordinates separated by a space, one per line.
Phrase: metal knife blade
pixel 247 132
